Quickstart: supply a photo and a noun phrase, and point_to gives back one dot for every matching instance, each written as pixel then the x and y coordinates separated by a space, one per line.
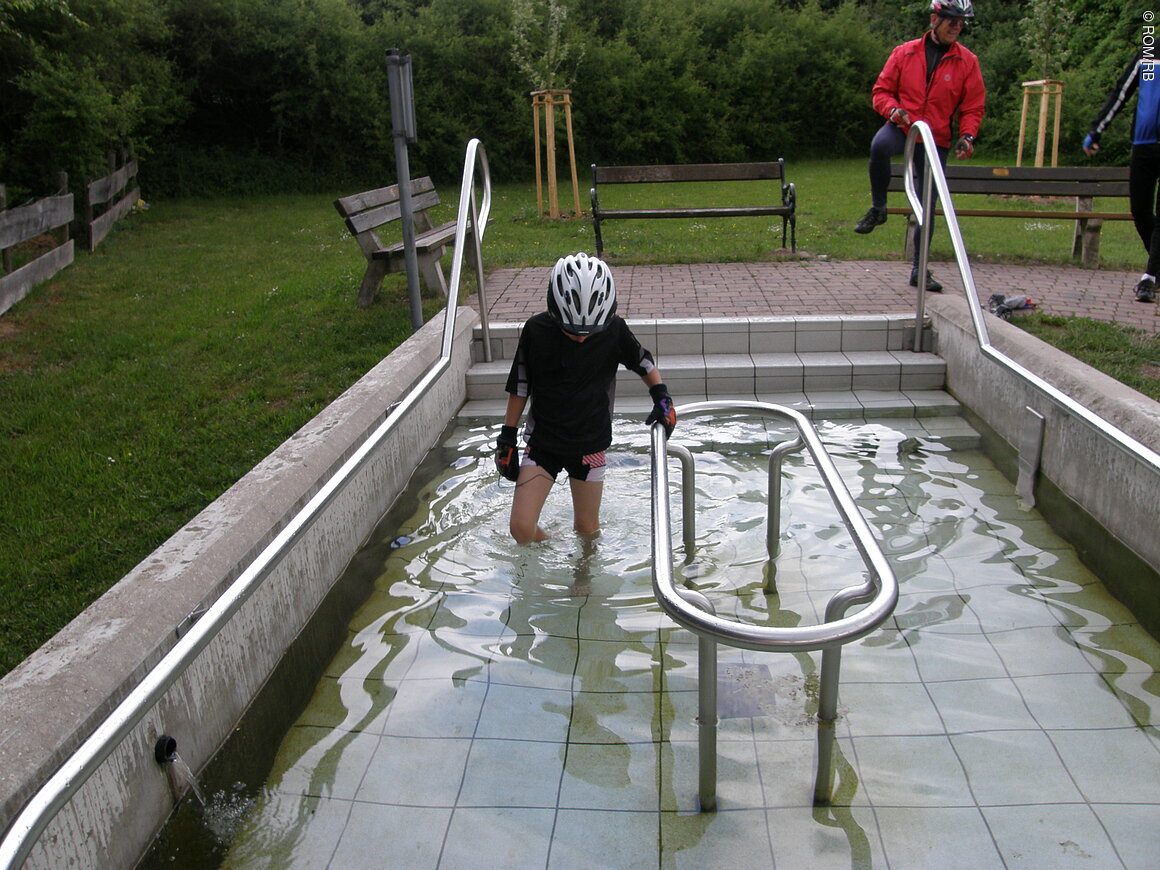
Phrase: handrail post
pixel 480 279
pixel 688 496
pixel 707 723
pixel 773 501
pixel 706 708
pixel 924 215
pixel 827 716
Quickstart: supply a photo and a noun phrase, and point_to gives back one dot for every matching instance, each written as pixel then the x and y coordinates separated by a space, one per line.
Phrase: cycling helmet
pixel 581 294
pixel 952 8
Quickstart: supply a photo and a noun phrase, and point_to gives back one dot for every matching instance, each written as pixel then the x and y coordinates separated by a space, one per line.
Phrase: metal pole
pixel 403 127
pixel 773 520
pixel 827 716
pixel 926 219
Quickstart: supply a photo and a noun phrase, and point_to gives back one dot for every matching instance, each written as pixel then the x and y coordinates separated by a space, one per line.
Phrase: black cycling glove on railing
pixel 507 453
pixel 664 411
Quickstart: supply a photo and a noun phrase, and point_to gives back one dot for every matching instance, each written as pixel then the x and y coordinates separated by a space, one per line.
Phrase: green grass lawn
pixel 831 196
pixel 145 379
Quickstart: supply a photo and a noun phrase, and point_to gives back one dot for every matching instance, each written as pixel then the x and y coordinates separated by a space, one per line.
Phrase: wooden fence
pixel 37 235
pixel 46 220
pixel 109 199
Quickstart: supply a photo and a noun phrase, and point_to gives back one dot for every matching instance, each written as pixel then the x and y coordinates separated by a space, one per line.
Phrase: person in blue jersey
pixel 1144 166
pixel 565 365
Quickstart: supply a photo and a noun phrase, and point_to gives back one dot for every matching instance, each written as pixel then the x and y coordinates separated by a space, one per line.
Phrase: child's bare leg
pixel 586 496
pixel 532 490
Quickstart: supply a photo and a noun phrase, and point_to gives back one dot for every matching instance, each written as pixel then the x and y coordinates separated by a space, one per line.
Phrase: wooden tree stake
pixel 1045 88
pixel 548 100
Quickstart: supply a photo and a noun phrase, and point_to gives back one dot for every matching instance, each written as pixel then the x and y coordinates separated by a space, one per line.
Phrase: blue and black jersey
pixel 571 384
pixel 1140 75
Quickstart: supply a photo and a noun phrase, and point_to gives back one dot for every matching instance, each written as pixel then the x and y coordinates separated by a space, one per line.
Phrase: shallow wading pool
pixel 494 705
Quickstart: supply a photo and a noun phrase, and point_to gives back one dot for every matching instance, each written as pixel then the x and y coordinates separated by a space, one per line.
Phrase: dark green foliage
pixel 262 95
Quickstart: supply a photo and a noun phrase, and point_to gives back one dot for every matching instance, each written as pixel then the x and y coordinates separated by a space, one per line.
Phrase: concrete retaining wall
pixel 54 700
pixel 1103 479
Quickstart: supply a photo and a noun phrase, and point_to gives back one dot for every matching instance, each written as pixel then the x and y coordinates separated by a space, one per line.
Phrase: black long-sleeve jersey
pixel 571 384
pixel 1140 75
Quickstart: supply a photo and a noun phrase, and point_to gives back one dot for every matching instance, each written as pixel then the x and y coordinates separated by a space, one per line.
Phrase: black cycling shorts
pixel 589 467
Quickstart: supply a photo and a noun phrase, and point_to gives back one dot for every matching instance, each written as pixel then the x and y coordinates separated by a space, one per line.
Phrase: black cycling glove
pixel 664 411
pixel 507 453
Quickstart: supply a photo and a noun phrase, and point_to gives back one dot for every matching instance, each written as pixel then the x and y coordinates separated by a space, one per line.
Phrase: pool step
pixel 824 366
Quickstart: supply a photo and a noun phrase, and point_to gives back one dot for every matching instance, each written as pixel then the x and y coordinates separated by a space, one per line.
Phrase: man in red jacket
pixel 930 79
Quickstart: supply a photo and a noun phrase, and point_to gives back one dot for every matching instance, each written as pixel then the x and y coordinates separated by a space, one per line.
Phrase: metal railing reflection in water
pixel 878 591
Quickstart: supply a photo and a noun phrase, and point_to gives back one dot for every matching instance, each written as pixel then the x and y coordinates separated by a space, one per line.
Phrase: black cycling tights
pixel 1142 191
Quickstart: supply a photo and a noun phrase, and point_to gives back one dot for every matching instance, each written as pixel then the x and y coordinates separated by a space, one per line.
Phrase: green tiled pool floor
pixel 505 707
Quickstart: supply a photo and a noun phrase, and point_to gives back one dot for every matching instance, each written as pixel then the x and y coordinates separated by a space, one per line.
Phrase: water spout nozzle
pixel 165 750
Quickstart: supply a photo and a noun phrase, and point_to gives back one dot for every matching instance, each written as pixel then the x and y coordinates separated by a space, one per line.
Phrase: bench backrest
pixel 773 169
pixel 365 212
pixel 1030 180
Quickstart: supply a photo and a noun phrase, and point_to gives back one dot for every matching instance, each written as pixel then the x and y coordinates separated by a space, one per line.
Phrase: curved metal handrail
pixel 31 821
pixel 880 589
pixel 933 173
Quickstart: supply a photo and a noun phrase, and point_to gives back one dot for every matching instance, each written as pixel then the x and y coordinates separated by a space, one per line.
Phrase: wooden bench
pixel 705 172
pixel 1084 183
pixel 367 213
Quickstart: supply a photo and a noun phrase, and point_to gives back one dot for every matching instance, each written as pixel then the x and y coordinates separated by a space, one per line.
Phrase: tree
pixel 77 80
pixel 539 49
pixel 1045 34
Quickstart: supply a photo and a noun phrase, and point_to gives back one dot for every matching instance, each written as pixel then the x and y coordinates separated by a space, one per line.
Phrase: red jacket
pixel 957 87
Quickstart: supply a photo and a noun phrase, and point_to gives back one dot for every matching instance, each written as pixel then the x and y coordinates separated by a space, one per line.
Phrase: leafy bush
pixel 259 95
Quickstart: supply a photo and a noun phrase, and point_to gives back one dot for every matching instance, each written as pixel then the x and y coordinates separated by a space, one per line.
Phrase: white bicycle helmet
pixel 953 8
pixel 581 294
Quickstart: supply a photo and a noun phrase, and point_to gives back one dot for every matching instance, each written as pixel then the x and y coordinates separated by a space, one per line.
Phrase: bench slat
pixel 359 202
pixel 688 172
pixel 719 211
pixel 424 242
pixel 1021 187
pixel 1045 215
pixel 384 214
pixel 1030 173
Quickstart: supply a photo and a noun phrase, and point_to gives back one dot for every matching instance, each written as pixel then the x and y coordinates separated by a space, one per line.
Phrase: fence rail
pixel 49 217
pixel 108 199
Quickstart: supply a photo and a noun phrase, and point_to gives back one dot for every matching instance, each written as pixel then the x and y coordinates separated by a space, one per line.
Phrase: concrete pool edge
pixel 1095 474
pixel 54 699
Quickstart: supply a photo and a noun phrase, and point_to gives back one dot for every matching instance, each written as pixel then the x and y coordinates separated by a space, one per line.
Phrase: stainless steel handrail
pixel 878 592
pixel 30 823
pixel 923 207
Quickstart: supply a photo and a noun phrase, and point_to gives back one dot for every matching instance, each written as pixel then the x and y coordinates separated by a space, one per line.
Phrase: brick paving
pixel 810 287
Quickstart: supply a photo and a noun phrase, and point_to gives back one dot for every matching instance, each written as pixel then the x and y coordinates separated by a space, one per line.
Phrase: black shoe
pixel 875 217
pixel 932 285
pixel 1146 290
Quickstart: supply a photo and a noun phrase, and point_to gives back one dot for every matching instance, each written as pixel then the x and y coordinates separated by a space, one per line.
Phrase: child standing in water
pixel 566 366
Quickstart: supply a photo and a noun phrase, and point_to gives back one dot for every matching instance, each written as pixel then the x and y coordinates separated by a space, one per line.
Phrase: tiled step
pixel 825 367
pixel 755 335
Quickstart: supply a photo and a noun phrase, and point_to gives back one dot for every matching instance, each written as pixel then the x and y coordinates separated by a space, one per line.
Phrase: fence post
pixel 6 255
pixel 62 232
